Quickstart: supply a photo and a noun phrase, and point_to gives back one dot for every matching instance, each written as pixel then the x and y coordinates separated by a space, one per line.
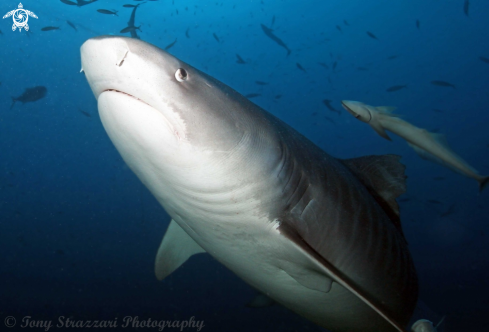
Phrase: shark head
pixel 164 116
pixel 358 110
pixel 126 70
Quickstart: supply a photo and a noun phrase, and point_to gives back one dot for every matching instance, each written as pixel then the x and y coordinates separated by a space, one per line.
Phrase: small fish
pixel 327 103
pixel 300 67
pixel 59 252
pixel 129 6
pixel 339 28
pixel 371 35
pixel 438 178
pixel 323 64
pixel 443 84
pixel 396 88
pixel 108 12
pixel 131 21
pixel 50 28
pixel 129 29
pixel 240 59
pixel 362 68
pixel 433 201
pixel 273 21
pixel 392 57
pixel 484 59
pixel 346 23
pixel 215 37
pixel 67 2
pixel 71 25
pixel 85 113
pixel 437 110
pixel 186 33
pixel 466 7
pixel 261 83
pixel 417 24
pixel 449 211
pixel 252 95
pixel 1 33
pixel 30 95
pixel 335 64
pixel 170 45
pixel 278 96
pixel 270 35
pixel 330 120
pixel 81 3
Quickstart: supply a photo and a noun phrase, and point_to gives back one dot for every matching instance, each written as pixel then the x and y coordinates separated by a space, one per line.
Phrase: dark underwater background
pixel 79 232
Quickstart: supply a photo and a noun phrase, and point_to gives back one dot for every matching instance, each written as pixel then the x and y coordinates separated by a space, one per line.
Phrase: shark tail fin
pixel 13 102
pixel 483 182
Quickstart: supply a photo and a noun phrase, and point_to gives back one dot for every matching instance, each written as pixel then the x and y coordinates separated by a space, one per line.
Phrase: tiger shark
pixel 319 235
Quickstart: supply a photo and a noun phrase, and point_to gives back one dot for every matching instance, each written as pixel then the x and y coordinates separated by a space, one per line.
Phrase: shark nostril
pixel 122 61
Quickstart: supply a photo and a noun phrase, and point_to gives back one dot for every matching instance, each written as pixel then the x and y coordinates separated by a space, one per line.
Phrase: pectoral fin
pixel 379 129
pixel 323 272
pixel 175 248
pixel 310 278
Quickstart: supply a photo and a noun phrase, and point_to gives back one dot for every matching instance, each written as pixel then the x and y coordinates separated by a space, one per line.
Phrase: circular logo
pixel 20 18
pixel 10 321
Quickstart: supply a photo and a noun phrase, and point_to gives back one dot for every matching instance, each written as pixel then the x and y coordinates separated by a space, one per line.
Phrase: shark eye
pixel 181 75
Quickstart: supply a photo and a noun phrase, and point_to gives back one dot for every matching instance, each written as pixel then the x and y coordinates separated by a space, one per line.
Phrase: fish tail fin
pixel 288 52
pixel 13 102
pixel 483 182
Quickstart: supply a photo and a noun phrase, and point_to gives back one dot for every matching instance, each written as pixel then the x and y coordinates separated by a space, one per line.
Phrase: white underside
pixel 225 223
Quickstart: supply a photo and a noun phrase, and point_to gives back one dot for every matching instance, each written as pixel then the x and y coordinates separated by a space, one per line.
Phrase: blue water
pixel 78 232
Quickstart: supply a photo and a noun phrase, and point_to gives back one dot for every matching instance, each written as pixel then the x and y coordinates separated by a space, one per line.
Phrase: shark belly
pixel 319 235
pixel 255 250
pixel 232 223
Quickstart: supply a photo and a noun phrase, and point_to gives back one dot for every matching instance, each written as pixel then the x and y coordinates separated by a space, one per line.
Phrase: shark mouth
pixel 356 115
pixel 127 94
pixel 176 133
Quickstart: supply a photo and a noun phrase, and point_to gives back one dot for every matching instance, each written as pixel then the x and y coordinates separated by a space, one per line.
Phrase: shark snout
pixel 102 60
pixel 357 109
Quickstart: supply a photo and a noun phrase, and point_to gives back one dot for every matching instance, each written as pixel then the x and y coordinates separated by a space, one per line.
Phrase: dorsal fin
pixel 386 110
pixel 385 180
